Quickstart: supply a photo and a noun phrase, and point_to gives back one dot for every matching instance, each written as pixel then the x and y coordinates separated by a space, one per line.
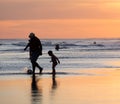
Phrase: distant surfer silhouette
pixel 54 61
pixel 57 47
pixel 35 50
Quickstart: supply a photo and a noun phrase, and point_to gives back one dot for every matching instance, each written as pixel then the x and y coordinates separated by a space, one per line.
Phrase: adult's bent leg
pixel 40 68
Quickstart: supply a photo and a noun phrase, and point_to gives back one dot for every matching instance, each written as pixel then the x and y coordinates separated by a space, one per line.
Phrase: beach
pixel 60 52
pixel 88 73
pixel 93 86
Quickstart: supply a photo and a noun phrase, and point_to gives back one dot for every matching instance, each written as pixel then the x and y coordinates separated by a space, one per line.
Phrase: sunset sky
pixel 60 18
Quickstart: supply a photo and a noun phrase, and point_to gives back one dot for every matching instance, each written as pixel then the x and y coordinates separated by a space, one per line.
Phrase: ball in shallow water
pixel 29 71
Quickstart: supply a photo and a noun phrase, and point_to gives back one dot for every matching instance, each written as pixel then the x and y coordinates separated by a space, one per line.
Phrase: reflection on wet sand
pixel 54 83
pixel 36 92
pixel 54 88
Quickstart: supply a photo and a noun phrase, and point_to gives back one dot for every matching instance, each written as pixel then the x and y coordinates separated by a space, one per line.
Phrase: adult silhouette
pixel 35 50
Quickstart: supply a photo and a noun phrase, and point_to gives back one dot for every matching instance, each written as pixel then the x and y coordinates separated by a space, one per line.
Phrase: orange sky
pixel 60 18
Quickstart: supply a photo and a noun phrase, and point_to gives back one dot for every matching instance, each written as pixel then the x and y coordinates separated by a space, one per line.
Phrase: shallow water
pixel 73 54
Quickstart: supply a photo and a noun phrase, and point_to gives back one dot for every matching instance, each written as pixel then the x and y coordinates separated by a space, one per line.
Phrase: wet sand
pixel 101 86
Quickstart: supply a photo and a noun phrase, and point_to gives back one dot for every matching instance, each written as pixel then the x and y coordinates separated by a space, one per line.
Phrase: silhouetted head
pixel 31 35
pixel 50 53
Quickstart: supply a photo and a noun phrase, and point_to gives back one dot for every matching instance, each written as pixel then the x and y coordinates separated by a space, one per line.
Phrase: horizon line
pixel 58 38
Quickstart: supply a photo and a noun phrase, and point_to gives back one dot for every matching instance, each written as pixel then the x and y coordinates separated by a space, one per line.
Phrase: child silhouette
pixel 54 61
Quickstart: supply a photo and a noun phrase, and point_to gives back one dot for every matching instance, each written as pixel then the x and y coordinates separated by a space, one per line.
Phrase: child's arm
pixel 58 60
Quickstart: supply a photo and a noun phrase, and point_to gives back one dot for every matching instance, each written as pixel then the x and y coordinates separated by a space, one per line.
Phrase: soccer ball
pixel 29 71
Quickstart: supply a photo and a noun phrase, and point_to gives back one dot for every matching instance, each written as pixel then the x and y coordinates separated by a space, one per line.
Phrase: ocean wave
pixel 100 49
pixel 19 44
pixel 90 57
pixel 12 50
pixel 66 44
pixel 80 45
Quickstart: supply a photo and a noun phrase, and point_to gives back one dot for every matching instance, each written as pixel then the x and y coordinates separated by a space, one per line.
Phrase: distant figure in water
pixel 94 42
pixel 35 51
pixel 57 47
pixel 54 61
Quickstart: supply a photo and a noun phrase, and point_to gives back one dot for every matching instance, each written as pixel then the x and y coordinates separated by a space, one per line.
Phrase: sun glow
pixel 61 19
